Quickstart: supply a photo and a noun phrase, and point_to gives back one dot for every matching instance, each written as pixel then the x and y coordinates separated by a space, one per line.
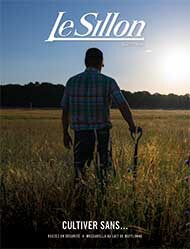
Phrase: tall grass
pixel 37 176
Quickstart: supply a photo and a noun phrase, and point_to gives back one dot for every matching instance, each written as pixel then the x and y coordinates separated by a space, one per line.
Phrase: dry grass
pixel 37 175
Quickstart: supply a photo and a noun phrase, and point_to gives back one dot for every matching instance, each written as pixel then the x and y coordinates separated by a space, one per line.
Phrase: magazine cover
pixel 95 124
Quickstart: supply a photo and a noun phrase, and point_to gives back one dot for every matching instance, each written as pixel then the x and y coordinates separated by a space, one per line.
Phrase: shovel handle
pixel 137 135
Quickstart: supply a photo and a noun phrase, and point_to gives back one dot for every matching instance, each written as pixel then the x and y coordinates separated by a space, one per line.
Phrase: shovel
pixel 136 137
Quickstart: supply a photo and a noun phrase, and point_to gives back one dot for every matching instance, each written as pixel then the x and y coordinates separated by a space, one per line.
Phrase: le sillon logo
pixel 91 28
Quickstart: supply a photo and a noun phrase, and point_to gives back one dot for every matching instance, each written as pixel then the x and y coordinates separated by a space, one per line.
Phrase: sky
pixel 158 64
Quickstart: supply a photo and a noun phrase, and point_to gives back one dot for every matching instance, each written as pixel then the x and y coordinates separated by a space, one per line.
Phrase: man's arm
pixel 65 118
pixel 65 123
pixel 127 115
pixel 122 105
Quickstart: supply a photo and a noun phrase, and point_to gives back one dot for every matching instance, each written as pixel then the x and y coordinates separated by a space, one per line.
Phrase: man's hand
pixel 67 141
pixel 133 129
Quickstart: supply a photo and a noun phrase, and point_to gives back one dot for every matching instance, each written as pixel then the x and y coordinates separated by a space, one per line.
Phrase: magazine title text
pixel 92 28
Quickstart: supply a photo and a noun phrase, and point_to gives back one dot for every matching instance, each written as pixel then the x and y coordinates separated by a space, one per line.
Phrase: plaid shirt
pixel 87 97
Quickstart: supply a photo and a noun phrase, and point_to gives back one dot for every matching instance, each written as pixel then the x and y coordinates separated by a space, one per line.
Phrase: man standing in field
pixel 86 107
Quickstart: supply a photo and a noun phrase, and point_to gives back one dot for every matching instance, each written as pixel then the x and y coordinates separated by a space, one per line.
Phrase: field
pixel 38 192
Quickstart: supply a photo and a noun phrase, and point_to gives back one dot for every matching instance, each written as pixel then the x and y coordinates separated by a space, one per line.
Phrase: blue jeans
pixel 84 145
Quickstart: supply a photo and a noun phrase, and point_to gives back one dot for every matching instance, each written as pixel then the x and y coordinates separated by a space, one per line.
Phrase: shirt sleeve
pixel 116 94
pixel 65 99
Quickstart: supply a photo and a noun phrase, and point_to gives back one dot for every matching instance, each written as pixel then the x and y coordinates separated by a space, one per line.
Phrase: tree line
pixel 49 95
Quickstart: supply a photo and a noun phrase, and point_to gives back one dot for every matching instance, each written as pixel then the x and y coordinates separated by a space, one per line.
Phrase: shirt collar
pixel 92 69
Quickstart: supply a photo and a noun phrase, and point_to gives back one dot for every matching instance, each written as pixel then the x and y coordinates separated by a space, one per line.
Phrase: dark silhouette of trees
pixel 49 95
pixel 31 95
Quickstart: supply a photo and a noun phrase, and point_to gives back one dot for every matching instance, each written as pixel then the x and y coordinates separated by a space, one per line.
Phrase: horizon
pixel 159 64
pixel 122 89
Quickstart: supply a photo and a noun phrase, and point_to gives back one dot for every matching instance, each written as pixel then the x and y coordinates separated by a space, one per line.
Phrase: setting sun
pixel 175 66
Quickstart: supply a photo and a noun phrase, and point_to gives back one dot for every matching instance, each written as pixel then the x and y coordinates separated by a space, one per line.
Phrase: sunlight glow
pixel 176 66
